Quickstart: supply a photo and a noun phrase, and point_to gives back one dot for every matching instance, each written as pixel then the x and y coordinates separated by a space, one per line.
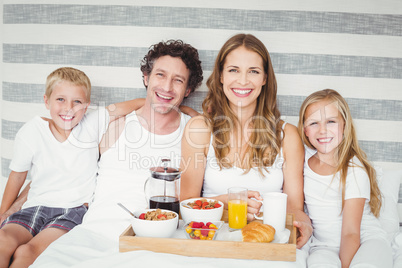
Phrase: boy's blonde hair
pixel 68 74
pixel 349 146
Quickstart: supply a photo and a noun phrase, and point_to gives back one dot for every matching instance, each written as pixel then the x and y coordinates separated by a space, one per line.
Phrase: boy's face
pixel 67 105
pixel 167 84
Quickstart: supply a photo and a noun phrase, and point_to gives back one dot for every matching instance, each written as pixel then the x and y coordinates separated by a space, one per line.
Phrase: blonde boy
pixel 61 154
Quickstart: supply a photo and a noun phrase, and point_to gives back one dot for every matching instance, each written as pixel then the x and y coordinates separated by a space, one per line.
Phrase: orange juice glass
pixel 237 208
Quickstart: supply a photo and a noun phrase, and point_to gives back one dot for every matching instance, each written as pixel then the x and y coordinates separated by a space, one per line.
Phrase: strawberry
pixel 142 216
pixel 196 207
pixel 199 203
pixel 161 216
pixel 204 232
pixel 217 205
pixel 198 224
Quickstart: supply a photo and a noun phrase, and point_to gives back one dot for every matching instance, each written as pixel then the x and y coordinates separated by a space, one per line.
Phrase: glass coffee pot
pixel 162 189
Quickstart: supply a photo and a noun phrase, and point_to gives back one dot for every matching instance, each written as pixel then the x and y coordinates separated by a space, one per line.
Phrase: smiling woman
pixel 240 140
pixel 243 76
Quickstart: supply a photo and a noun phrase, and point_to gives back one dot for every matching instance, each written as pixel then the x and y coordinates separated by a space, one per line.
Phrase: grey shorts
pixel 36 219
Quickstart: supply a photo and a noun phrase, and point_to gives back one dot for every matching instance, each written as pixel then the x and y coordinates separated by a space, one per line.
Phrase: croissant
pixel 258 232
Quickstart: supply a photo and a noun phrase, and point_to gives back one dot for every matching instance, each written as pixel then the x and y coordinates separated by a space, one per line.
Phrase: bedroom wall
pixel 351 46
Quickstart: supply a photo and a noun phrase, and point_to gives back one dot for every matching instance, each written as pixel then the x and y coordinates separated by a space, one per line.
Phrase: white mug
pixel 274 208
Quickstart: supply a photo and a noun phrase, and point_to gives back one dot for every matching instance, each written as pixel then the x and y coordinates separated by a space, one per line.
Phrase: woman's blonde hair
pixel 71 75
pixel 264 145
pixel 349 146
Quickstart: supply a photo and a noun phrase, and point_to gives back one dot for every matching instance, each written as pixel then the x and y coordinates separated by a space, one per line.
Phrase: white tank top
pixel 216 181
pixel 123 170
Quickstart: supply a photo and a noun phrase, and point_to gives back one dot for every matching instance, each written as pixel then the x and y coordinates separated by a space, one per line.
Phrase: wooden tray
pixel 213 248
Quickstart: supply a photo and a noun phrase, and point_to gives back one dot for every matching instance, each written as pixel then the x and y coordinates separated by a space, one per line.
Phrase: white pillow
pixel 389 182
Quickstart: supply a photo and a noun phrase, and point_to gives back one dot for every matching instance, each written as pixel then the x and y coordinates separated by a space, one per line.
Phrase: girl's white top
pixel 323 198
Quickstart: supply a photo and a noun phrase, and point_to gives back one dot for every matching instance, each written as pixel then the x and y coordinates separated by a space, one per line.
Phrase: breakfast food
pixel 157 215
pixel 204 204
pixel 258 232
pixel 199 230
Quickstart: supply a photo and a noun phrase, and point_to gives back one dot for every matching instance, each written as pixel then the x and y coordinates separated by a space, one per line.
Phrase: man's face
pixel 167 84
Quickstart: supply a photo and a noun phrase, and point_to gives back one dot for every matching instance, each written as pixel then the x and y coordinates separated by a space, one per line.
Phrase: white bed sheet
pixel 84 248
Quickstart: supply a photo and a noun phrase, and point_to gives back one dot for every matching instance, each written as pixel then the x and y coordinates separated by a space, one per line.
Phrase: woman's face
pixel 242 78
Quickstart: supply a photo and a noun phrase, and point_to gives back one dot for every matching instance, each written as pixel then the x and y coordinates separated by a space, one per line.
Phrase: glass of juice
pixel 237 208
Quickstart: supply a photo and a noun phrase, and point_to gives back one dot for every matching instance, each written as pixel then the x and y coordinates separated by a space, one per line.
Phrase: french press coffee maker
pixel 162 189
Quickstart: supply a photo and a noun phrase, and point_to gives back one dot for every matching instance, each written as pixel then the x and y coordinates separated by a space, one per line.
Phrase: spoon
pixel 126 209
pixel 187 206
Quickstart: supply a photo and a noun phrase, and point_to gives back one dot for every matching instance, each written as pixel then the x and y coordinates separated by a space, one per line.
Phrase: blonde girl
pixel 340 187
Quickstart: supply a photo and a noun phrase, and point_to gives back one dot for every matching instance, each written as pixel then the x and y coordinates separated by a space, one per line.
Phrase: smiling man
pixel 171 71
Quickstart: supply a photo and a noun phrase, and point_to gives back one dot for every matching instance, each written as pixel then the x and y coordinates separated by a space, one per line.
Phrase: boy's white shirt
pixel 63 173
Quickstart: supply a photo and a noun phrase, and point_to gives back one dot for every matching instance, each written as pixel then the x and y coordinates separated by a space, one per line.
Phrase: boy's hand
pixel 188 110
pixel 4 216
pixel 17 204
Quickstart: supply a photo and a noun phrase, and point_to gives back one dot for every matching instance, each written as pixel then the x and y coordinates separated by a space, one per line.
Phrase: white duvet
pixel 95 243
pixel 84 248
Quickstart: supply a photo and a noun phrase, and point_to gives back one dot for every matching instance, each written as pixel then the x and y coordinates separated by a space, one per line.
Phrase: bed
pixel 352 47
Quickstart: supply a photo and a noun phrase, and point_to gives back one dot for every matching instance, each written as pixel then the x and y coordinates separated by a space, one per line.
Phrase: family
pixel 239 140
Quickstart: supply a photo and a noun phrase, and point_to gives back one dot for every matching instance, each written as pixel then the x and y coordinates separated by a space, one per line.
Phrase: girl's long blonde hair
pixel 265 145
pixel 348 148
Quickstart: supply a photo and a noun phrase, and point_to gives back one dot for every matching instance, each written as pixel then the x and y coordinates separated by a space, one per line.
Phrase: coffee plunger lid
pixel 165 172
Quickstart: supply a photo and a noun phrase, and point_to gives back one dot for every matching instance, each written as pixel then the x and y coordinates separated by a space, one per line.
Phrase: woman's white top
pixel 217 181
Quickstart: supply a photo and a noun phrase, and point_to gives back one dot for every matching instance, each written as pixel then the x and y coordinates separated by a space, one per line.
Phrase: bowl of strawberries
pixel 201 230
pixel 201 209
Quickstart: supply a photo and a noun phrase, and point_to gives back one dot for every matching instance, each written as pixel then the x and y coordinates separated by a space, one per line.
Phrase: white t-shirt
pixel 323 197
pixel 63 173
pixel 123 170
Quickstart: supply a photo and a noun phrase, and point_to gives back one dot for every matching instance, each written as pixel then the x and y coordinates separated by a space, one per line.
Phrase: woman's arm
pixel 350 237
pixel 293 152
pixel 194 149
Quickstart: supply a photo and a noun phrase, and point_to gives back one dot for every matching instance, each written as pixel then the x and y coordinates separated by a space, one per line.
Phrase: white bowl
pixel 147 228
pixel 190 214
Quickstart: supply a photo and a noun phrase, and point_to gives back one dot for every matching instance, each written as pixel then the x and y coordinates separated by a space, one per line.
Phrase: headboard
pixel 351 46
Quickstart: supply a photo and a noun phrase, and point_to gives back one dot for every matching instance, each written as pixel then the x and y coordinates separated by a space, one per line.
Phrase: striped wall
pixel 355 48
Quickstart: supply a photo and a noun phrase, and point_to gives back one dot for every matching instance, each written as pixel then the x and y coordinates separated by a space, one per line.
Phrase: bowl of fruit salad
pixel 201 209
pixel 201 230
pixel 155 223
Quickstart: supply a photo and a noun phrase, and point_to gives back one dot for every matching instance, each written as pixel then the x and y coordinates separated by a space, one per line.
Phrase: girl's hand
pixel 253 206
pixel 304 232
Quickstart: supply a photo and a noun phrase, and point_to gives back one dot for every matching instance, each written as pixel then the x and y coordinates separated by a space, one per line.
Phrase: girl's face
pixel 243 77
pixel 324 126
